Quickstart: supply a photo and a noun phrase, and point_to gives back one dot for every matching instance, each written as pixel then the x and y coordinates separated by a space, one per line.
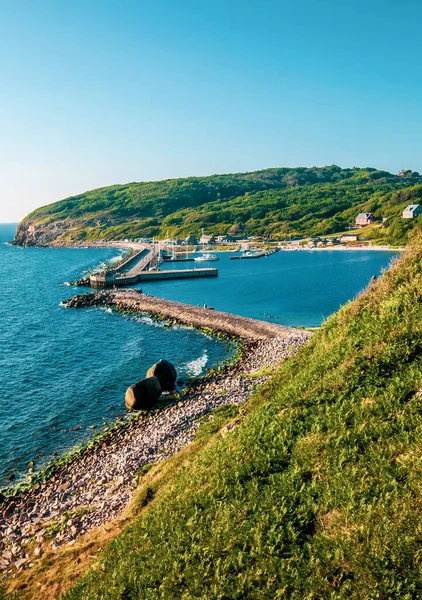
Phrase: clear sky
pixel 96 92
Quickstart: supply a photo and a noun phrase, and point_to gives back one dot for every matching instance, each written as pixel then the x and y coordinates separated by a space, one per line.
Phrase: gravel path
pixel 97 485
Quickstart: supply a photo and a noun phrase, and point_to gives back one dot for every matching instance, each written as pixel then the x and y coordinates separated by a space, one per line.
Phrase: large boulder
pixel 165 373
pixel 143 395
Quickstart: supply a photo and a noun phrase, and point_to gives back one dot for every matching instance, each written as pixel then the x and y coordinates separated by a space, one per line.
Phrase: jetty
pixel 253 254
pixel 144 266
pixel 186 314
pixel 95 485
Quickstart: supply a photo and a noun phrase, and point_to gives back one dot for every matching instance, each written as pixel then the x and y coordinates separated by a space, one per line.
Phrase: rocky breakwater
pixel 134 301
pixel 96 485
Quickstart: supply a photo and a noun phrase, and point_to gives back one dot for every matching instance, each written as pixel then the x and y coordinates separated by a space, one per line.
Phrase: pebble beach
pixel 97 485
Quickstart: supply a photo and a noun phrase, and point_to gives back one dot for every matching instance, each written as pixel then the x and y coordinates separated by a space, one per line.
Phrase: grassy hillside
pixel 279 202
pixel 316 493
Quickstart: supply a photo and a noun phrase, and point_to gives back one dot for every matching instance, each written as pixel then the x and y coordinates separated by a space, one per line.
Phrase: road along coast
pixel 97 484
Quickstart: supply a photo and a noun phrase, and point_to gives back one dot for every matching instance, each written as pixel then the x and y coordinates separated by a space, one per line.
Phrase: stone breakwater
pixel 97 485
pixel 186 314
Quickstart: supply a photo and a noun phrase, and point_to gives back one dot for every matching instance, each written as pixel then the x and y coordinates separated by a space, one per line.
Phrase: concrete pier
pixel 143 267
pixel 110 280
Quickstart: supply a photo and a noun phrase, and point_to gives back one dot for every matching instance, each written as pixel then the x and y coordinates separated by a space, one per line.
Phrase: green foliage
pixel 212 423
pixel 279 202
pixel 316 492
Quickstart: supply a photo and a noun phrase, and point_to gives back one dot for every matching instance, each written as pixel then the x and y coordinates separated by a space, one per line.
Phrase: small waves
pixel 104 264
pixel 149 321
pixel 116 258
pixel 72 365
pixel 195 367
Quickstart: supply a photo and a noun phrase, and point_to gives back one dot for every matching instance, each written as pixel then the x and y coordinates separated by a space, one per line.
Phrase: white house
pixel 412 211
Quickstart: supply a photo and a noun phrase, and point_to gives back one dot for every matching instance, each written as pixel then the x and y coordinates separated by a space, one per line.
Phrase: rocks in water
pixel 100 481
pixel 143 395
pixel 165 373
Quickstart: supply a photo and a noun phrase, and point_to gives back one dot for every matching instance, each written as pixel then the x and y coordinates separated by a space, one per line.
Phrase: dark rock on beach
pixel 143 395
pixel 102 478
pixel 166 374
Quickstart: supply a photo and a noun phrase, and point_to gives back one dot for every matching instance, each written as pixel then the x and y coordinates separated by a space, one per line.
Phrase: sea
pixel 64 372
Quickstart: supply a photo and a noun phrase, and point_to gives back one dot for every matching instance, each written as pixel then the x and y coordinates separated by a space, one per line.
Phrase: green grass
pixel 316 493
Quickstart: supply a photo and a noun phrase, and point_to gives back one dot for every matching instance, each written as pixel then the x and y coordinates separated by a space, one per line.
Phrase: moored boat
pixel 206 257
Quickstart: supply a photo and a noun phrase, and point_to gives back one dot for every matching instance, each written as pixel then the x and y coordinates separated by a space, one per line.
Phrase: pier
pixel 144 266
pixel 253 254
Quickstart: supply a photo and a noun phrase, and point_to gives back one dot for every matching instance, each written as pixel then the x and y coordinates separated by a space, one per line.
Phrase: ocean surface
pixel 298 288
pixel 62 370
pixel 65 371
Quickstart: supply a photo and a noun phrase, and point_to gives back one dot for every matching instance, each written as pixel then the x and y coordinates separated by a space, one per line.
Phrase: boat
pixel 206 257
pixel 249 254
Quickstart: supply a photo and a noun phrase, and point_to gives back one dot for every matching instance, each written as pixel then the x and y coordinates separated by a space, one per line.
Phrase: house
pixel 191 240
pixel 225 239
pixel 233 238
pixel 207 239
pixel 364 219
pixel 412 211
pixel 349 237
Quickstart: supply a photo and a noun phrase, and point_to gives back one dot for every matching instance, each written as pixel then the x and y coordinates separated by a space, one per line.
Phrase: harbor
pixel 144 265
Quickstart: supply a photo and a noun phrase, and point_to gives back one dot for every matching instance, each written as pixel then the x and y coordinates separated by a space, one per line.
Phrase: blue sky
pixel 100 92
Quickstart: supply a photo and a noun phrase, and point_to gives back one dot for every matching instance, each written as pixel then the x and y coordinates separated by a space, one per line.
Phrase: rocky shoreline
pixel 97 485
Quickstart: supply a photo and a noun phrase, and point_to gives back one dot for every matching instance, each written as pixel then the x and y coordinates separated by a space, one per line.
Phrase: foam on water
pixel 195 367
pixel 66 370
pixel 62 370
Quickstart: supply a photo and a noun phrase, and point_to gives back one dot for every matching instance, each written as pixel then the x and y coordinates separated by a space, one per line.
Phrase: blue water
pixel 63 370
pixel 292 288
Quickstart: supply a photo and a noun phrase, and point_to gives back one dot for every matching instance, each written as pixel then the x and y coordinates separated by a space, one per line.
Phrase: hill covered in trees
pixel 279 202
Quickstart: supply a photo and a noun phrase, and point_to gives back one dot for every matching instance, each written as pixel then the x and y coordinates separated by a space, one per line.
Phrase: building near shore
pixel 364 219
pixel 412 211
pixel 207 239
pixel 191 240
pixel 349 237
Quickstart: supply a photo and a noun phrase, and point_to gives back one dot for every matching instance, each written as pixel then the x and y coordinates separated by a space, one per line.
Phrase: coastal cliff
pixel 32 233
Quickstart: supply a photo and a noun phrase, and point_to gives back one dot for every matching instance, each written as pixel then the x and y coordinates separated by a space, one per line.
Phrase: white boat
pixel 206 257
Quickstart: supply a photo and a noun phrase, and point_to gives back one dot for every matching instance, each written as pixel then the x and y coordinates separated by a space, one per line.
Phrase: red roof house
pixel 364 219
